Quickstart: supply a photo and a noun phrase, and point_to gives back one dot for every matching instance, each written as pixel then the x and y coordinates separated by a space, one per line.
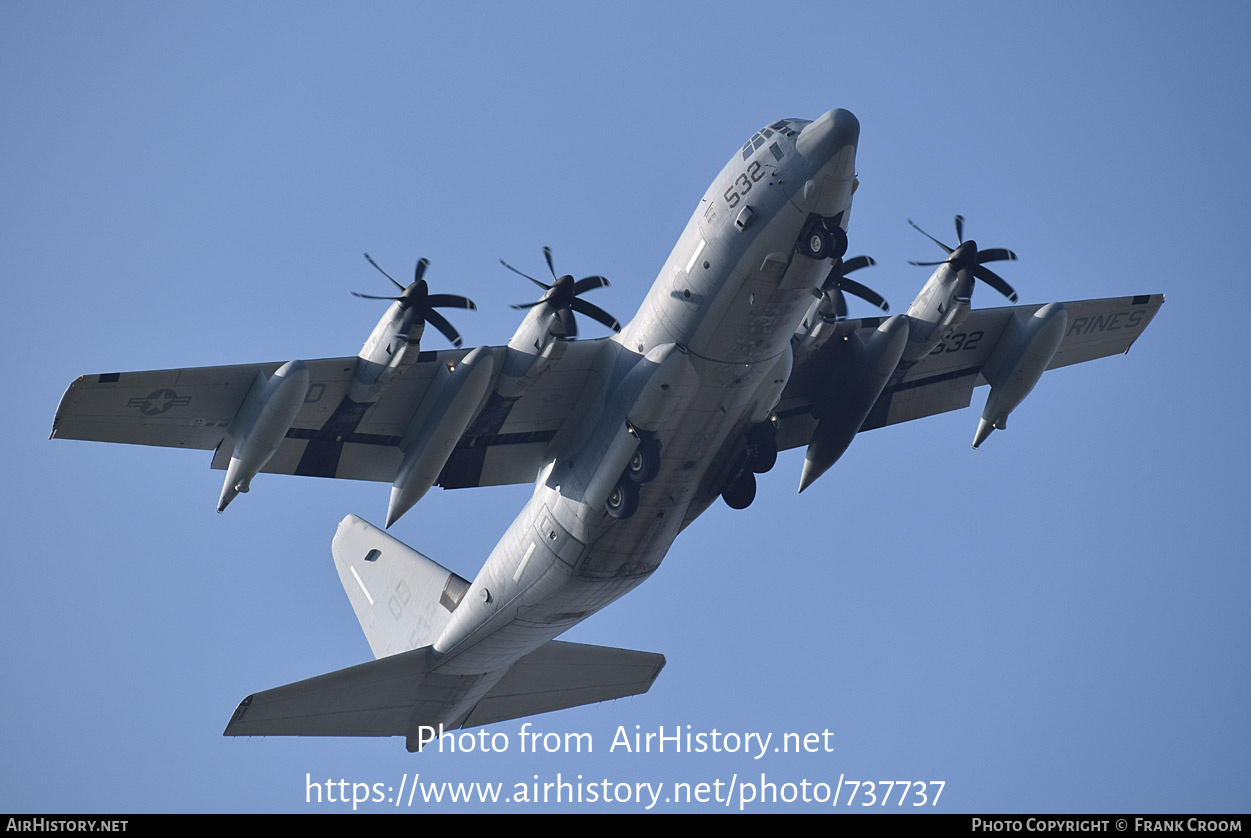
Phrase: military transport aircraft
pixel 742 348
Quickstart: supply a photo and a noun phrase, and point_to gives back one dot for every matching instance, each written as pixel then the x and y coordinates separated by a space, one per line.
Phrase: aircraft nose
pixel 831 133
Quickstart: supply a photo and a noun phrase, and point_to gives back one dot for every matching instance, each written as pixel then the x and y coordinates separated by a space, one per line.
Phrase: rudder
pixel 401 598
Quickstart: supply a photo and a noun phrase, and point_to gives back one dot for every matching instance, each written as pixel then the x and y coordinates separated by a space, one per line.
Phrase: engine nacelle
pixel 844 404
pixel 454 398
pixel 522 368
pixel 1019 360
pixel 261 424
pixel 391 348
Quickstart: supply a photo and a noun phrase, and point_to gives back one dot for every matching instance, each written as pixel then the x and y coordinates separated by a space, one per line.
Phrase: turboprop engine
pixel 539 341
pixel 945 300
pixel 821 322
pixel 261 424
pixel 1019 360
pixel 396 339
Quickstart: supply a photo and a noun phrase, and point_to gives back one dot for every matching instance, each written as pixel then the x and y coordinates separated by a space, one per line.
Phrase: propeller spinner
pixel 417 297
pixel 966 257
pixel 562 297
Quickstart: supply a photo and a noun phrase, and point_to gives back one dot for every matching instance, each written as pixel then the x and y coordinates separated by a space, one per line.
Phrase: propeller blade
pixel 596 313
pixel 994 281
pixel 931 238
pixel 562 297
pixel 542 285
pixel 384 273
pixel 960 229
pixel 450 301
pixel 547 255
pixel 372 297
pixel 589 283
pixel 867 294
pixel 840 303
pixel 420 270
pixel 855 263
pixel 439 322
pixel 928 264
pixel 995 254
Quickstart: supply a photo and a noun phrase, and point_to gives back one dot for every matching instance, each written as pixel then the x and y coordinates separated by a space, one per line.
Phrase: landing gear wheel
pixel 823 239
pixel 644 465
pixel 816 243
pixel 762 448
pixel 741 491
pixel 623 500
pixel 838 241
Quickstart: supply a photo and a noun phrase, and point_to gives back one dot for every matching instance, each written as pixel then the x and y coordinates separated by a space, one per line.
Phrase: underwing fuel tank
pixel 261 424
pixel 848 401
pixel 434 434
pixel 1017 364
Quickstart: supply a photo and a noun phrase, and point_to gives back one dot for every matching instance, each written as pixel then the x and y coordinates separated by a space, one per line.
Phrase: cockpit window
pixel 758 140
pixel 785 126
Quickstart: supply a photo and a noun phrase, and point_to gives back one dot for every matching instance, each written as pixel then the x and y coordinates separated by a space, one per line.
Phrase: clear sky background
pixel 1057 622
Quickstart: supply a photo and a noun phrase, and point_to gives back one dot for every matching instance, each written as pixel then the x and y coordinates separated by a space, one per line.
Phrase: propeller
pixel 417 296
pixel 562 296
pixel 836 283
pixel 966 257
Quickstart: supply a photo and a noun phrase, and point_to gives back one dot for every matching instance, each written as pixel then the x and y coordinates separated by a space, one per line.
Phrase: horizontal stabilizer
pixel 402 599
pixel 558 675
pixel 394 695
pixel 372 699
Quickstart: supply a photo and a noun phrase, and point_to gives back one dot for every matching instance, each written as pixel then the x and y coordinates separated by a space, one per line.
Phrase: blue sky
pixel 1057 622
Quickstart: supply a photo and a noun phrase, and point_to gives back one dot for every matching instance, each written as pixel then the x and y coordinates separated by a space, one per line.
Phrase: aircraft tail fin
pixel 402 599
pixel 400 696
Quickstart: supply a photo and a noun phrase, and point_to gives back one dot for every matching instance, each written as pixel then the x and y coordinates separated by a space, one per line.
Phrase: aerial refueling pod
pixel 1019 360
pixel 261 424
pixel 843 406
pixel 453 398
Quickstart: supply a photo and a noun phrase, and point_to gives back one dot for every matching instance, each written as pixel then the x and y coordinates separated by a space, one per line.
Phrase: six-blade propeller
pixel 562 297
pixel 417 296
pixel 966 257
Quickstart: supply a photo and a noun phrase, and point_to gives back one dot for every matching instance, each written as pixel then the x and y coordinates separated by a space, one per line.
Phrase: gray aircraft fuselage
pixel 719 319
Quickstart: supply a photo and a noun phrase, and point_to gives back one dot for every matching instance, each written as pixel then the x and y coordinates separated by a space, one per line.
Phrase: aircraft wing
pixel 944 379
pixel 330 437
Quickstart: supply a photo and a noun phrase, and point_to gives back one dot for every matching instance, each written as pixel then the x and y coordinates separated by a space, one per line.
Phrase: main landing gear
pixel 644 465
pixel 822 238
pixel 759 457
